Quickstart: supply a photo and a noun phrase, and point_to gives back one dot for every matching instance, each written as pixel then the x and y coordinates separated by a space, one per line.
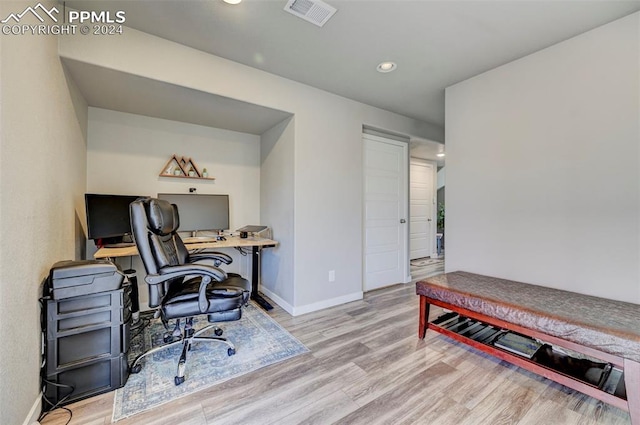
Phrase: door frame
pixel 404 260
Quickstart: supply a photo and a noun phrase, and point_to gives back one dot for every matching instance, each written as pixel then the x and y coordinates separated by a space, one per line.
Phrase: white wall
pixel 327 150
pixel 441 178
pixel 42 182
pixel 126 152
pixel 543 166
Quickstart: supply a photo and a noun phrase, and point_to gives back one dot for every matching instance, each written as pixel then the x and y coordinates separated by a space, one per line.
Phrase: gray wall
pixel 277 209
pixel 42 181
pixel 543 165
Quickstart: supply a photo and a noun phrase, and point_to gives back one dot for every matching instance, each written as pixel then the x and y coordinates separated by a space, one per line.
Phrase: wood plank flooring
pixel 367 366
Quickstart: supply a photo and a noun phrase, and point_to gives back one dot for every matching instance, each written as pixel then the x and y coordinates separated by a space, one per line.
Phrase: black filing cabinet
pixel 86 325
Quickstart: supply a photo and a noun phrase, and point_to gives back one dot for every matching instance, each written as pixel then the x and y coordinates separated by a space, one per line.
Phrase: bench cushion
pixel 607 325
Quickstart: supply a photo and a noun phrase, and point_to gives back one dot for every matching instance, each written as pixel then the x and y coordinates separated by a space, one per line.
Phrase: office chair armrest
pixel 217 257
pixel 207 272
pixel 173 272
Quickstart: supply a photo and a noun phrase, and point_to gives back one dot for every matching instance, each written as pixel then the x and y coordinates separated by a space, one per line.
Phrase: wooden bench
pixel 599 328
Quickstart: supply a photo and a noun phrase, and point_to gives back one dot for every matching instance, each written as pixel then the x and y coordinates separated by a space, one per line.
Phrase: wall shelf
pixel 183 168
pixel 187 177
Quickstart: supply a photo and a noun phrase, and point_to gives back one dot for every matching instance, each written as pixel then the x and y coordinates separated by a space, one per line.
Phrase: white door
pixel 385 212
pixel 421 209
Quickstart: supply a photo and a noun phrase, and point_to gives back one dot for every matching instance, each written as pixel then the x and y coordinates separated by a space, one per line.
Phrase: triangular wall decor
pixel 182 167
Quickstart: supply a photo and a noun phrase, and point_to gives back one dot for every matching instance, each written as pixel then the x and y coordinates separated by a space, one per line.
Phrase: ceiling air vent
pixel 315 11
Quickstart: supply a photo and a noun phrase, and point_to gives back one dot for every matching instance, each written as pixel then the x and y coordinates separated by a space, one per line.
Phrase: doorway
pixel 427 261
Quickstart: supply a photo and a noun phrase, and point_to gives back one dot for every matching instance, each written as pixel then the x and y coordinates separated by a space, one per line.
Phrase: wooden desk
pixel 256 245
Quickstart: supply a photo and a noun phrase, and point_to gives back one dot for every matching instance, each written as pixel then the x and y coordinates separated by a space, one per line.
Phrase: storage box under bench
pixel 484 308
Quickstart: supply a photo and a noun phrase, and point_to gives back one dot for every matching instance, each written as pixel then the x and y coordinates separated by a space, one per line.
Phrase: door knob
pixel 402 220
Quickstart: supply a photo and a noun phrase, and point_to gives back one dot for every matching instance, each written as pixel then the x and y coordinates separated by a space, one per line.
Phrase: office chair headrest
pixel 163 217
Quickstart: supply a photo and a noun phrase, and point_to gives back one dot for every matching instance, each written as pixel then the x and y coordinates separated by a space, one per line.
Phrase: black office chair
pixel 178 285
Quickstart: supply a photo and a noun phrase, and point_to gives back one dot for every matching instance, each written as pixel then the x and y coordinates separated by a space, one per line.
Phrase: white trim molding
pixel 34 413
pixel 309 308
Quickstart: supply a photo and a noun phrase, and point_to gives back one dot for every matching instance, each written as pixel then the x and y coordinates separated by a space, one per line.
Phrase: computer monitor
pixel 108 217
pixel 200 212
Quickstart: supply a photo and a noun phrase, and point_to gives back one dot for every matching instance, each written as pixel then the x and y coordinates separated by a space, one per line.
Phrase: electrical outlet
pixel 332 275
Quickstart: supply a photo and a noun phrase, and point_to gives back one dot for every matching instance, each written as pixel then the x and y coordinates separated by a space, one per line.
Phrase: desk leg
pixel 255 279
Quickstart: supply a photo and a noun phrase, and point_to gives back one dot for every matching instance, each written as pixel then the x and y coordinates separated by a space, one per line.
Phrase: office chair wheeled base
pixel 177 333
pixel 189 338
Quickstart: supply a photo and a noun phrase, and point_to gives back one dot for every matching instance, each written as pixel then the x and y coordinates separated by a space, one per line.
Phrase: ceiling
pixel 426 149
pixel 434 43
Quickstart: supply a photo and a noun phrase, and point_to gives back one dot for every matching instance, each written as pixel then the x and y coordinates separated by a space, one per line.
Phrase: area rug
pixel 422 262
pixel 260 341
pixel 422 268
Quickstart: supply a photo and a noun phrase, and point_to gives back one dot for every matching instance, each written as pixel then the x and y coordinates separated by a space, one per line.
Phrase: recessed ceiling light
pixel 386 67
pixel 440 155
pixel 232 1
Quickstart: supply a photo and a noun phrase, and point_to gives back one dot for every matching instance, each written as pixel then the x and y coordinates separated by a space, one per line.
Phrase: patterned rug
pixel 259 341
pixel 421 262
pixel 426 267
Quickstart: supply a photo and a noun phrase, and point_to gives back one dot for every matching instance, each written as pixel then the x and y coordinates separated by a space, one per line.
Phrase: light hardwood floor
pixel 367 366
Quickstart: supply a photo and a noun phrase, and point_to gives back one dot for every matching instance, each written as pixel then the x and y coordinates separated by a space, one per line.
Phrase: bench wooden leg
pixel 632 385
pixel 424 317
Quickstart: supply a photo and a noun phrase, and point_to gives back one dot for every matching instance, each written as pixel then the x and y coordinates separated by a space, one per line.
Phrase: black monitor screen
pixel 200 212
pixel 108 215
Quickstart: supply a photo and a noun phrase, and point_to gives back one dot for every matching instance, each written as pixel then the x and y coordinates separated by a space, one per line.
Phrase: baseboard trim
pixel 309 308
pixel 34 413
pixel 276 299
pixel 356 296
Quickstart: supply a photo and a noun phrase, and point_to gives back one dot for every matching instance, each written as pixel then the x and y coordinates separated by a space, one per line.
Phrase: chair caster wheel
pixel 231 352
pixel 136 369
pixel 179 380
pixel 167 338
pixel 218 332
